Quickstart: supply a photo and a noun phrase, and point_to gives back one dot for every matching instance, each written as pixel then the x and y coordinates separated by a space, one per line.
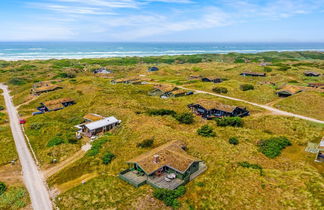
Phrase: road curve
pixel 274 110
pixel 33 178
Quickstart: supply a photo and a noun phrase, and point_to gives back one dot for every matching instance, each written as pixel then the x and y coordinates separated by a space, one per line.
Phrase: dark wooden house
pixel 211 109
pixel 160 90
pixel 167 166
pixel 44 89
pixel 152 69
pixel 55 105
pixel 253 74
pixel 288 90
pixel 212 79
pixel 316 85
pixel 311 74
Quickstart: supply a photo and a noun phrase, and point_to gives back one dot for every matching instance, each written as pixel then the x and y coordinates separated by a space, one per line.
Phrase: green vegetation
pixel 17 81
pixel 220 90
pixel 96 146
pixel 146 143
pixel 206 131
pixel 169 197
pixel 55 141
pixel 107 158
pixel 253 166
pixel 185 118
pixel 3 188
pixel 161 112
pixel 2 108
pixel 233 140
pixel 272 147
pixel 230 121
pixel 14 198
pixel 246 87
pixel 267 69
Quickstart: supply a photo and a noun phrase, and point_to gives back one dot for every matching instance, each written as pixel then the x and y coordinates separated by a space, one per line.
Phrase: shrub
pixel 220 90
pixel 65 75
pixel 1 108
pixel 17 81
pixel 36 126
pixel 161 112
pixel 169 197
pixel 146 143
pixel 185 118
pixel 3 188
pixel 253 166
pixel 272 147
pixel 96 146
pixel 293 81
pixel 267 69
pixel 233 140
pixel 107 158
pixel 246 87
pixel 55 141
pixel 230 121
pixel 206 131
pixel 284 68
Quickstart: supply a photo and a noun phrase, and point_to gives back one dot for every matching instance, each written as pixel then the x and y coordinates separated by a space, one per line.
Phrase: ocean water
pixel 60 50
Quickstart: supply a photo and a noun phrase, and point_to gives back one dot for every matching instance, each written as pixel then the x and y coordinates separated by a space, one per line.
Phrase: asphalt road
pixel 32 177
pixel 269 108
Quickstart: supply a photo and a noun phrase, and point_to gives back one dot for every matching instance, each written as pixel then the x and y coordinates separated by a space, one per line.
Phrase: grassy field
pixel 290 181
pixel 16 196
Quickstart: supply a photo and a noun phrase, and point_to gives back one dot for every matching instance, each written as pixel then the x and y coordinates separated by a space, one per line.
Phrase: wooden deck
pixel 160 182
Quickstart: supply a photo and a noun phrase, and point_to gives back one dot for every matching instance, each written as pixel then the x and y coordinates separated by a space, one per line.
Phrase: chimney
pixel 156 158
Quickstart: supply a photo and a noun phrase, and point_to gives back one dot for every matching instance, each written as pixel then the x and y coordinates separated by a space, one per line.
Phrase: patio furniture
pixel 171 176
pixel 167 179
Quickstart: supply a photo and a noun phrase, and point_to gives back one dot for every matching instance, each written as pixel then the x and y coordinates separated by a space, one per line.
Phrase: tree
pixel 246 87
pixel 233 140
pixel 3 188
pixel 185 118
pixel 107 158
pixel 206 131
pixel 220 90
pixel 146 143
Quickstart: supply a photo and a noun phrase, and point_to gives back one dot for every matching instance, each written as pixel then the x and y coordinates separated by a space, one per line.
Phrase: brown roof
pixel 46 88
pixel 316 84
pixel 56 104
pixel 180 91
pixel 92 117
pixel 254 73
pixel 208 104
pixel 165 88
pixel 291 89
pixel 170 154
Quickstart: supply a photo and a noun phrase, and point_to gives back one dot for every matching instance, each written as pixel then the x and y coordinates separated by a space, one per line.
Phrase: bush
pixel 233 140
pixel 253 166
pixel 55 141
pixel 17 81
pixel 146 143
pixel 185 118
pixel 161 112
pixel 107 158
pixel 267 69
pixel 246 87
pixel 3 188
pixel 96 146
pixel 272 147
pixel 65 75
pixel 36 126
pixel 284 68
pixel 220 90
pixel 206 131
pixel 230 121
pixel 1 108
pixel 169 197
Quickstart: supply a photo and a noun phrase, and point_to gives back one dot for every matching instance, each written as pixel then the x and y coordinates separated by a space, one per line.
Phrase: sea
pixel 76 50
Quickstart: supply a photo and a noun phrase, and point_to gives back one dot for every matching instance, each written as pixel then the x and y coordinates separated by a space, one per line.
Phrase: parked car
pixel 22 121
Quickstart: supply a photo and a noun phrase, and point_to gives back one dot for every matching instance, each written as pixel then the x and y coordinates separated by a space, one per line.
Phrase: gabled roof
pixel 254 73
pixel 208 104
pixel 46 88
pixel 56 104
pixel 165 88
pixel 179 91
pixel 92 117
pixel 101 123
pixel 170 154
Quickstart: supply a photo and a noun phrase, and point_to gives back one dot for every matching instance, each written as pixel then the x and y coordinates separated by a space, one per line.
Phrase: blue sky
pixel 163 20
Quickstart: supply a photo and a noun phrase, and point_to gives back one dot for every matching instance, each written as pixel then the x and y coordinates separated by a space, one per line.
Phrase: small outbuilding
pixel 55 105
pixel 100 126
pixel 253 74
pixel 92 117
pixel 212 109
pixel 212 79
pixel 311 74
pixel 44 89
pixel 153 68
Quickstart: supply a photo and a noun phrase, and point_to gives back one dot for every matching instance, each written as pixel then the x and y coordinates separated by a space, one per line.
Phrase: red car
pixel 22 121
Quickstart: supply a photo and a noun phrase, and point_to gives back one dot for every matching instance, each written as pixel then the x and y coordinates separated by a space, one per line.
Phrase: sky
pixel 162 20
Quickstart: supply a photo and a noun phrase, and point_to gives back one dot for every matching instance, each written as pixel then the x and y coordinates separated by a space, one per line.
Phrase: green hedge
pixel 272 147
pixel 230 121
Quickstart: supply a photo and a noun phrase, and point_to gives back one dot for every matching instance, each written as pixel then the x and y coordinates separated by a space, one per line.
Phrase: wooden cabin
pixel 131 80
pixel 212 79
pixel 192 77
pixel 102 71
pixel 55 105
pixel 311 74
pixel 212 109
pixel 289 90
pixel 174 94
pixel 99 126
pixel 316 85
pixel 253 74
pixel 152 69
pixel 44 89
pixel 161 89
pixel 167 166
